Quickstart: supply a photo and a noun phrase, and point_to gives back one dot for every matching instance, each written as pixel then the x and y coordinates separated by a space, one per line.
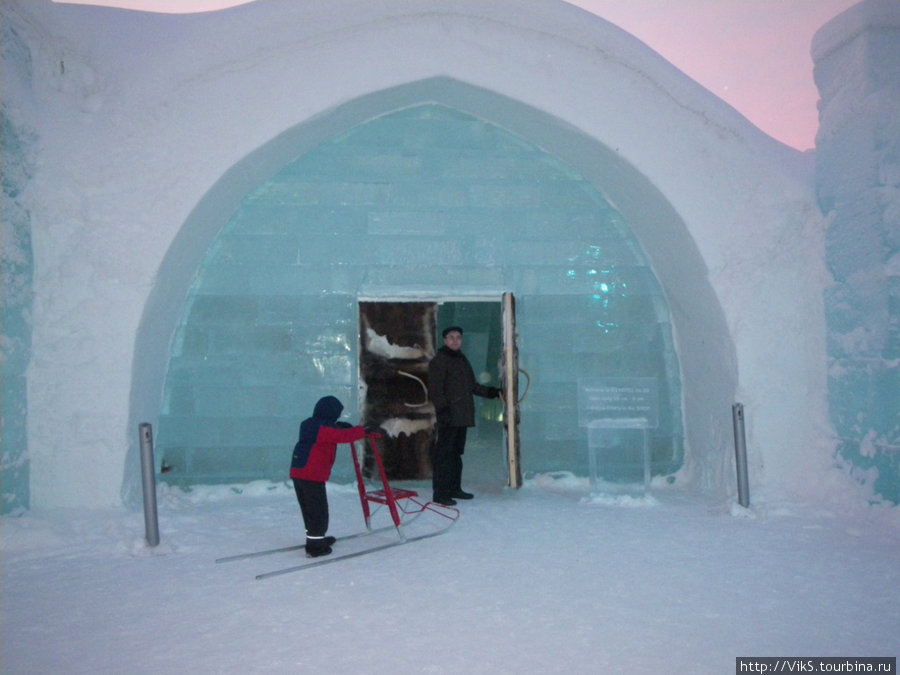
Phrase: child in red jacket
pixel 314 455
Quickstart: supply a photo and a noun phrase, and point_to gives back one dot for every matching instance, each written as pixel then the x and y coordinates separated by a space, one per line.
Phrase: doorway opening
pixel 398 339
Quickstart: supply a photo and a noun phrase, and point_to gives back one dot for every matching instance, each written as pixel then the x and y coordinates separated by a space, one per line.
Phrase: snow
pixel 549 578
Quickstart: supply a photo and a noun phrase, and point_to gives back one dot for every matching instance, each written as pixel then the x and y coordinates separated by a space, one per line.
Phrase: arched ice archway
pixel 703 342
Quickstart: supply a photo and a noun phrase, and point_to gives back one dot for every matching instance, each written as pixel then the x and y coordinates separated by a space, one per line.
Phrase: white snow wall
pixel 857 57
pixel 150 129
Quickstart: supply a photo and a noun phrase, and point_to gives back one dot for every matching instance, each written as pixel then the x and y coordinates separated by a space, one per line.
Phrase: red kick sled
pixel 404 504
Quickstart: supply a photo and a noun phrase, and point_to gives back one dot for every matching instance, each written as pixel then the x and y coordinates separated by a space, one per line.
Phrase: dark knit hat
pixel 451 329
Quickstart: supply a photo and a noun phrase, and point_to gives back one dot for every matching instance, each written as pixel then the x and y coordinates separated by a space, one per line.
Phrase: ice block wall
pixel 17 151
pixel 857 70
pixel 425 201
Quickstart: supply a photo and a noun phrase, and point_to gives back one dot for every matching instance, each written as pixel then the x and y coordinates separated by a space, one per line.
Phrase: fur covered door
pixel 397 340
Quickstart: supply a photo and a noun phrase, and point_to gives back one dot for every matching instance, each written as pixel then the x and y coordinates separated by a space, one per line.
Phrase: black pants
pixel 446 461
pixel 314 507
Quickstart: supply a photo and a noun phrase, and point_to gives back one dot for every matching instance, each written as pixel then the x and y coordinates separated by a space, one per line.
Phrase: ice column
pixel 857 71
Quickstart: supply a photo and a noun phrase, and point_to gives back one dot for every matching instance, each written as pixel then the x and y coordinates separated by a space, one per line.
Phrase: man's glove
pixel 493 392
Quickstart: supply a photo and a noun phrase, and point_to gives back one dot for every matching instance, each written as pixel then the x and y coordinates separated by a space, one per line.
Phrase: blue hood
pixel 328 410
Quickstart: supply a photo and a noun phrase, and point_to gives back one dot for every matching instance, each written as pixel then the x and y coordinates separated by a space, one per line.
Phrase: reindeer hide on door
pixel 396 343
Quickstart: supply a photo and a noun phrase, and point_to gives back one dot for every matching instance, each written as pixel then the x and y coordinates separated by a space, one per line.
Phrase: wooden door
pixel 509 378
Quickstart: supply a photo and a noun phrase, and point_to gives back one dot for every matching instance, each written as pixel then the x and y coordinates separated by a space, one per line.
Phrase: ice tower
pixel 857 57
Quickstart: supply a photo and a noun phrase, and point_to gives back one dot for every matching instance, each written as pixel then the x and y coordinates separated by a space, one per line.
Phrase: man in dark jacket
pixel 451 384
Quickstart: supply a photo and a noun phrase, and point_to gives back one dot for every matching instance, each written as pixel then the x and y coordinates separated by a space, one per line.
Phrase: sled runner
pixel 300 547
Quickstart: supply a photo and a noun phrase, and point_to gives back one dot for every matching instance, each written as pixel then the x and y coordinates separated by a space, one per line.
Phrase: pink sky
pixel 754 54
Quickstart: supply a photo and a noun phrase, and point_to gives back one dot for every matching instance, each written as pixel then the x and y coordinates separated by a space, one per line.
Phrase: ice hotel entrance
pixel 398 339
pixel 426 201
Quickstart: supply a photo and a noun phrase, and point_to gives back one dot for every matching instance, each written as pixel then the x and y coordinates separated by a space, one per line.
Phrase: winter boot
pixel 318 546
pixel 317 552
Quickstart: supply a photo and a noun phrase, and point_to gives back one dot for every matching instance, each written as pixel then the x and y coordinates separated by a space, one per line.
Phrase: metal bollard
pixel 148 476
pixel 740 454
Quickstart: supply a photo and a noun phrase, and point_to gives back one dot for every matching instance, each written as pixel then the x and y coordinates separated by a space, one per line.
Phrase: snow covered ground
pixel 546 579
